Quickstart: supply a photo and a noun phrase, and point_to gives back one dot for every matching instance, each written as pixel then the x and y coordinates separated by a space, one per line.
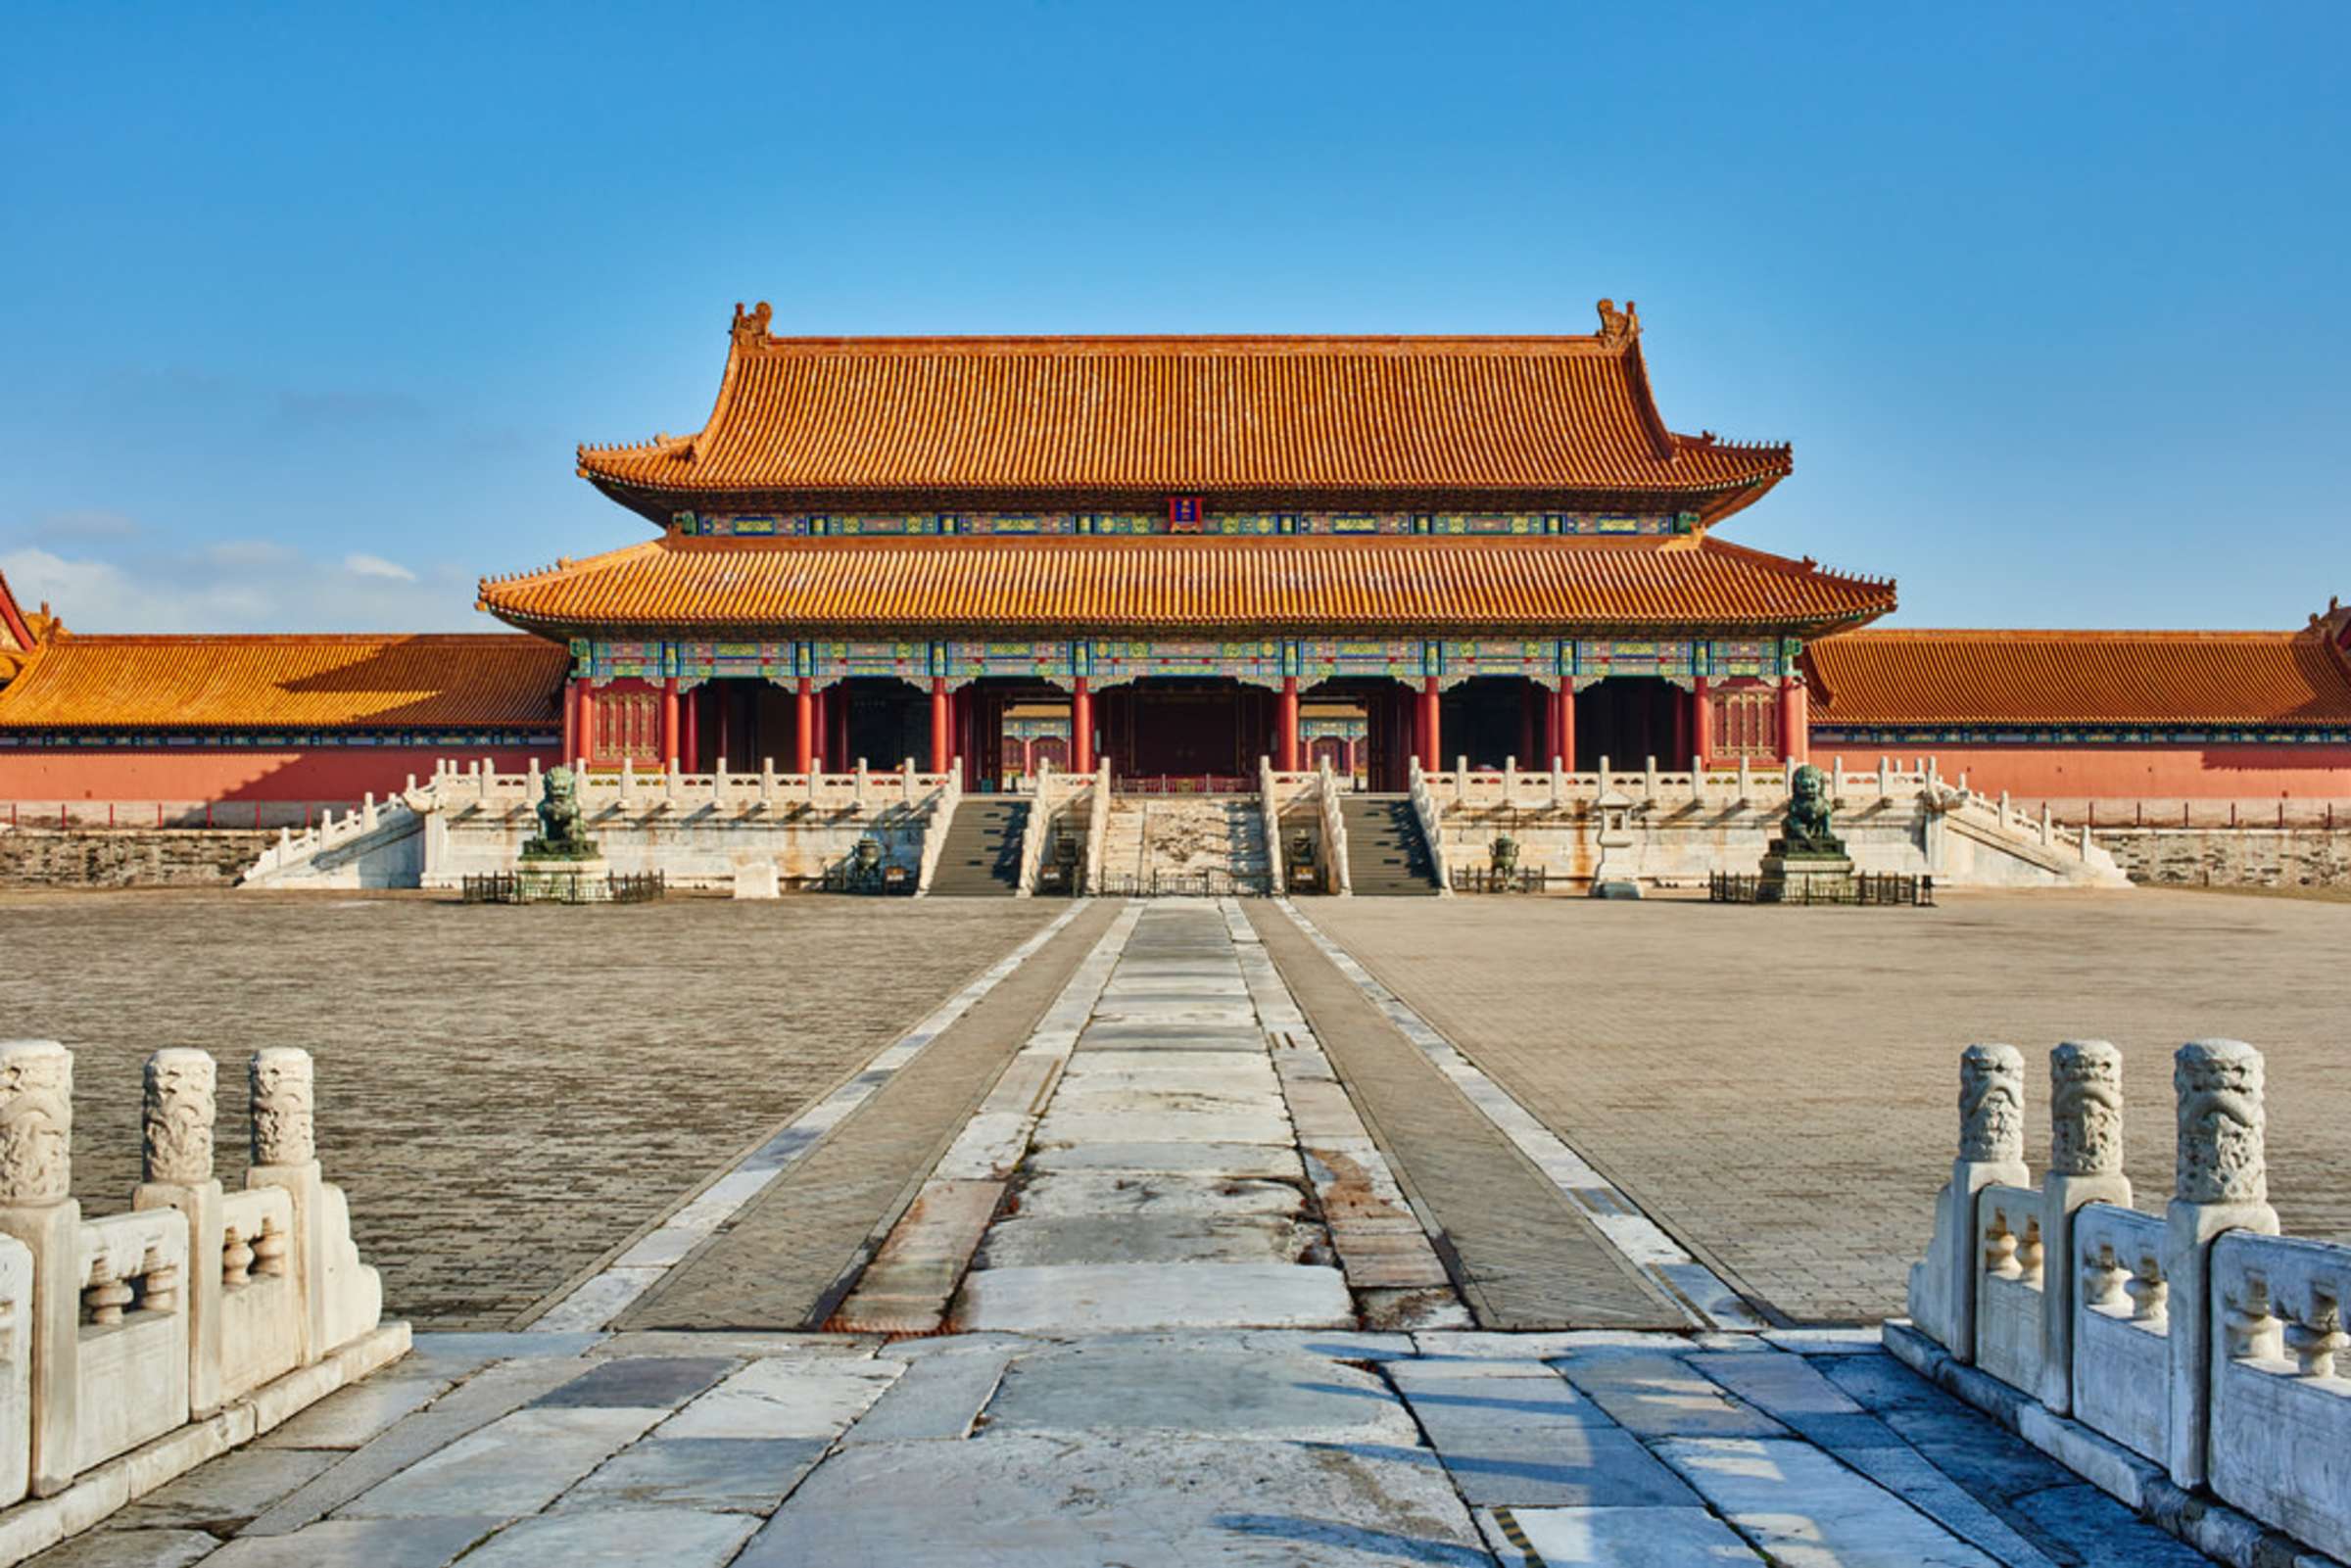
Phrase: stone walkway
pixel 1181 1237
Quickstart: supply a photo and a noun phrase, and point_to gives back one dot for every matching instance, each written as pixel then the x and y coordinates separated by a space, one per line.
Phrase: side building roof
pixel 1396 584
pixel 222 682
pixel 1101 416
pixel 1897 677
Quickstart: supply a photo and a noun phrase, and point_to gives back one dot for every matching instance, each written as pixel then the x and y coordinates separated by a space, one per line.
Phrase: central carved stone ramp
pixel 1162 1186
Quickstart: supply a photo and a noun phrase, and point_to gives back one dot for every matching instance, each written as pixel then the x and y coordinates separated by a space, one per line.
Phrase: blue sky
pixel 302 310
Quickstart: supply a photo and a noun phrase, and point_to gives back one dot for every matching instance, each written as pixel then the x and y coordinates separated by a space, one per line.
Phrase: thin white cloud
pixel 244 586
pixel 362 565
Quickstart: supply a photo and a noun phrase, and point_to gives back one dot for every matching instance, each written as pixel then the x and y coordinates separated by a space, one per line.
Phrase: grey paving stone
pixel 1148 1502
pixel 1556 1464
pixel 1793 1392
pixel 1241 1160
pixel 732 1475
pixel 786 1398
pixel 1801 1505
pixel 1125 1388
pixel 110 1548
pixel 352 1417
pixel 1101 1297
pixel 1663 1397
pixel 516 1465
pixel 1146 1239
pixel 2094 1530
pixel 652 1382
pixel 357 1543
pixel 235 1487
pixel 1090 1192
pixel 1612 1538
pixel 616 1538
pixel 939 1397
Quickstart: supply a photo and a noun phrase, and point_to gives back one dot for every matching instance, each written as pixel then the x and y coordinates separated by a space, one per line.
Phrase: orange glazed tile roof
pixel 1897 677
pixel 306 682
pixel 1112 584
pixel 1211 414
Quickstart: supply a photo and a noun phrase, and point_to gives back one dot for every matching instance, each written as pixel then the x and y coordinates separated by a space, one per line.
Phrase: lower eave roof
pixel 1184 584
pixel 220 682
pixel 1895 678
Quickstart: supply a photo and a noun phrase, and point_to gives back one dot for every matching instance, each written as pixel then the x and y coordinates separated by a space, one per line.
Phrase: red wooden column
pixel 1428 738
pixel 1285 738
pixel 690 731
pixel 803 729
pixel 1702 748
pixel 940 749
pixel 669 725
pixel 1563 730
pixel 1081 725
pixel 572 723
pixel 1796 720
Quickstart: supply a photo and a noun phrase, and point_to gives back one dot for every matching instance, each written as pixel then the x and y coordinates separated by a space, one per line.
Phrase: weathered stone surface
pixel 516 1465
pixel 1147 1239
pixel 735 1475
pixel 1153 1193
pixel 618 1538
pixel 1613 1538
pixel 652 1382
pixel 1659 1397
pixel 354 1415
pixel 784 1397
pixel 1264 1161
pixel 1113 1387
pixel 1151 1502
pixel 1535 1442
pixel 1099 1298
pixel 112 1547
pixel 235 1487
pixel 939 1397
pixel 1802 1505
pixel 359 1544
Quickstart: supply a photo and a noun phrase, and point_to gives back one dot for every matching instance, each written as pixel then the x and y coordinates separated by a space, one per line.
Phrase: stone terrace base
pixel 1302 1449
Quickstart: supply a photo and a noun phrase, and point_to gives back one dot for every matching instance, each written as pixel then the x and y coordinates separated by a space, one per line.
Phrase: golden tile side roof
pixel 301 683
pixel 1183 414
pixel 1102 585
pixel 2188 679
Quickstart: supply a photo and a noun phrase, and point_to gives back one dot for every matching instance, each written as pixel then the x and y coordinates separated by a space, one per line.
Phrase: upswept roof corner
pixel 1229 414
pixel 1083 583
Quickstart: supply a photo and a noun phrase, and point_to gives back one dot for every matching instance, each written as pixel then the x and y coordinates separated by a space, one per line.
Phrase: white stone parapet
pixel 2201 1341
pixel 115 1332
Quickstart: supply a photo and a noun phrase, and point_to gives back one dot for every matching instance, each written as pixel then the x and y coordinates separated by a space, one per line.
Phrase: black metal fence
pixel 1486 880
pixel 564 887
pixel 1883 888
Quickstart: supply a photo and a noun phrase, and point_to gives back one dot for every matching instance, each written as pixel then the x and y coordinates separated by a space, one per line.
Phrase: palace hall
pixel 1172 557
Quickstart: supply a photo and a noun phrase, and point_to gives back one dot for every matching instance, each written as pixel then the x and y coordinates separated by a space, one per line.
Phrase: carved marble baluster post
pixel 1991 1150
pixel 2086 1167
pixel 37 1209
pixel 285 1154
pixel 176 1170
pixel 2221 1184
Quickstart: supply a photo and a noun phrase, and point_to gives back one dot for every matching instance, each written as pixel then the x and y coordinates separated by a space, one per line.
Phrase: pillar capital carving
pixel 2221 1120
pixel 177 1118
pixel 282 1106
pixel 2085 1109
pixel 1992 1104
pixel 37 1123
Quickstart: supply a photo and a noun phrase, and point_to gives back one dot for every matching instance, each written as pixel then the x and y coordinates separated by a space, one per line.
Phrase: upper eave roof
pixel 2051 678
pixel 1185 414
pixel 215 682
pixel 1095 585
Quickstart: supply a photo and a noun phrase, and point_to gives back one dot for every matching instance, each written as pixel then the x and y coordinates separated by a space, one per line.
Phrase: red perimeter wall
pixel 326 774
pixel 2126 772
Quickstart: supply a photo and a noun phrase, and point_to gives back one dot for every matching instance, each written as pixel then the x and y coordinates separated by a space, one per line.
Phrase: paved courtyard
pixel 507 1094
pixel 1178 1242
pixel 1777 1087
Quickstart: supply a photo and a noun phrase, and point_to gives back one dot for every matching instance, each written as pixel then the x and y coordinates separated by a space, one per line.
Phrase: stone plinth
pixel 1797 877
pixel 552 881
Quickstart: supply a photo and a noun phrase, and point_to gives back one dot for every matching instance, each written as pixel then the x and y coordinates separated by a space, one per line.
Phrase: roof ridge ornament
pixel 751 326
pixel 1619 327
